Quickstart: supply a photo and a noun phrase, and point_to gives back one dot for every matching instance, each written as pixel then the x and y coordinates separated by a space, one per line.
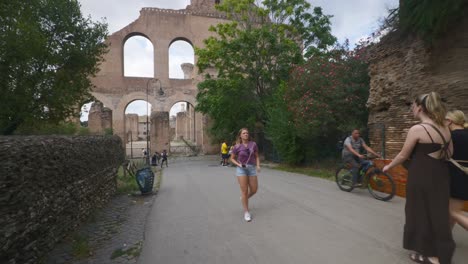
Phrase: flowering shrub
pixel 325 98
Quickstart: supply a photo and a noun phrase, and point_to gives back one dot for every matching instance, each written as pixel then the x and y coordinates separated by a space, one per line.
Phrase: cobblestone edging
pixel 114 235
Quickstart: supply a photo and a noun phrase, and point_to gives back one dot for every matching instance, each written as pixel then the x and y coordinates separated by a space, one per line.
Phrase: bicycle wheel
pixel 381 185
pixel 344 179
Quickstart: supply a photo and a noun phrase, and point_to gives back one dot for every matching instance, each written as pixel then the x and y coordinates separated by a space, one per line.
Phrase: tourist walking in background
pixel 245 157
pixel 154 159
pixel 224 153
pixel 164 158
pixel 428 145
pixel 456 121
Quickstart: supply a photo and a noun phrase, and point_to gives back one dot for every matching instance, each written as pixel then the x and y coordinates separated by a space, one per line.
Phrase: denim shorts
pixel 250 170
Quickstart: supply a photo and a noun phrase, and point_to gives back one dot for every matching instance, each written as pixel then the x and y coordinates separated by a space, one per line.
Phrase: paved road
pixel 197 218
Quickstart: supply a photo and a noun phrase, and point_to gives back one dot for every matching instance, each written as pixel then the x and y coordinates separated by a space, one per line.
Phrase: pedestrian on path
pixel 224 153
pixel 164 158
pixel 456 121
pixel 428 145
pixel 245 157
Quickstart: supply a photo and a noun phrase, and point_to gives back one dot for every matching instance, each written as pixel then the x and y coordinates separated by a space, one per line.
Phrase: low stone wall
pixel 48 186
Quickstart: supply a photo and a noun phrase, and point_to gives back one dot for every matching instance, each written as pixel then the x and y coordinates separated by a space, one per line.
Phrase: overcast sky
pixel 352 19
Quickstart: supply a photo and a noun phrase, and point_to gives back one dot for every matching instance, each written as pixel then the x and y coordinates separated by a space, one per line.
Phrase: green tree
pixel 252 55
pixel 325 99
pixel 48 53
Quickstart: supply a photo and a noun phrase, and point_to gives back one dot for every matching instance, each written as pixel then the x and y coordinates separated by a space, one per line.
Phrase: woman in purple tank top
pixel 245 157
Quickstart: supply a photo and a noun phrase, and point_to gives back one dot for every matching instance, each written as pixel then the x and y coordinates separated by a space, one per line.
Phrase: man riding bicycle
pixel 351 154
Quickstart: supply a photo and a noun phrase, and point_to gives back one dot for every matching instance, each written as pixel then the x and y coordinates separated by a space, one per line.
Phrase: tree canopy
pixel 252 55
pixel 48 53
pixel 324 100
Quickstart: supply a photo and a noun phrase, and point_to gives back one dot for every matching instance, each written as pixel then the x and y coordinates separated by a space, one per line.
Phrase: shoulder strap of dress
pixel 438 131
pixel 445 147
pixel 427 132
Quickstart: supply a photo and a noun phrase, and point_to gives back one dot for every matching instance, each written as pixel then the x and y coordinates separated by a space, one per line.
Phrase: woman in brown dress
pixel 457 124
pixel 428 144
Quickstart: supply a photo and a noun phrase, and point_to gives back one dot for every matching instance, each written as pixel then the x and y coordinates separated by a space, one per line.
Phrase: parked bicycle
pixel 380 184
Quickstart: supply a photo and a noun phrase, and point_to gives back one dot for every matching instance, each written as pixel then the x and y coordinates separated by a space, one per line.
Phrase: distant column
pixel 187 68
pixel 181 126
pixel 131 127
pixel 159 133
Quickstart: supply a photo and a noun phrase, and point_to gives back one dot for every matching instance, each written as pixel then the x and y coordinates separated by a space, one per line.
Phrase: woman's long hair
pixel 239 139
pixel 458 118
pixel 433 107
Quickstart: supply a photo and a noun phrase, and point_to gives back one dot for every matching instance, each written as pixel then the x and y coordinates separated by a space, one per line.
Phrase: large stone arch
pixel 124 41
pixel 161 27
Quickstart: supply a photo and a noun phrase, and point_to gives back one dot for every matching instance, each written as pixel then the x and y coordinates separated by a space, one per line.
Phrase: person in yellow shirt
pixel 224 153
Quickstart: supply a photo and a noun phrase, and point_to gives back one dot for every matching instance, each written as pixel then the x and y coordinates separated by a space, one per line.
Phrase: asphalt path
pixel 197 218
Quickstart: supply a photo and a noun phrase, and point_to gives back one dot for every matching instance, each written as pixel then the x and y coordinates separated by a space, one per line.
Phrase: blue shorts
pixel 250 170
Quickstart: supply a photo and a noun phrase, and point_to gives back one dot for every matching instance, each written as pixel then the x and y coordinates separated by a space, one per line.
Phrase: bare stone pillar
pixel 106 118
pixel 181 126
pixel 99 119
pixel 187 68
pixel 207 146
pixel 131 127
pixel 199 129
pixel 189 123
pixel 94 118
pixel 160 131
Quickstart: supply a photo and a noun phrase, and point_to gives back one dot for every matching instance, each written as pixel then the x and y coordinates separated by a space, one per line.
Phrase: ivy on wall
pixel 427 18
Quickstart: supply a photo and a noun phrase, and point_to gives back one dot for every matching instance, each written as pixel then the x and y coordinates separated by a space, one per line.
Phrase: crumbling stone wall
pixel 403 69
pixel 400 70
pixel 48 186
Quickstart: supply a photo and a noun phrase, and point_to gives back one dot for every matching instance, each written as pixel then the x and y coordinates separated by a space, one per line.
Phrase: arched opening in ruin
pixel 182 128
pixel 95 118
pixel 181 59
pixel 138 57
pixel 137 123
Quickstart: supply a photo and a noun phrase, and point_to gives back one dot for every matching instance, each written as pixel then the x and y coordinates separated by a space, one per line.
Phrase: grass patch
pixel 125 183
pixel 325 169
pixel 133 251
pixel 80 247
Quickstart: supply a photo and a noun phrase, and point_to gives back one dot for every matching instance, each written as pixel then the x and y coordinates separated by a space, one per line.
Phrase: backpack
pixel 340 144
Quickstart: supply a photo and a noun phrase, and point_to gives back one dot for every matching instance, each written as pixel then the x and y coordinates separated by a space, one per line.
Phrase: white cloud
pixel 179 52
pixel 120 13
pixel 85 112
pixel 138 57
pixel 138 107
pixel 354 19
pixel 177 107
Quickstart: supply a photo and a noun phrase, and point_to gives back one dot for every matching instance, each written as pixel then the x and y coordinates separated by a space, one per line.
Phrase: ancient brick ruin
pixel 401 69
pixel 161 27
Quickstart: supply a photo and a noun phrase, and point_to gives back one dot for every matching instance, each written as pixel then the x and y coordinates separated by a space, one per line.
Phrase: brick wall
pixel 402 69
pixel 48 186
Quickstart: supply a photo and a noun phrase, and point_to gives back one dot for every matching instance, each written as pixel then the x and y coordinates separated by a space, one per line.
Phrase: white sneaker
pixel 247 217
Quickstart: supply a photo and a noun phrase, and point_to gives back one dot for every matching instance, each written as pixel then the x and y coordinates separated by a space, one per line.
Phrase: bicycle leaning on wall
pixel 380 184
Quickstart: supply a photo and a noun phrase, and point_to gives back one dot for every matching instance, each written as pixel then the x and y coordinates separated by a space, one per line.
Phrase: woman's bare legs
pixel 248 186
pixel 253 185
pixel 456 213
pixel 244 187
